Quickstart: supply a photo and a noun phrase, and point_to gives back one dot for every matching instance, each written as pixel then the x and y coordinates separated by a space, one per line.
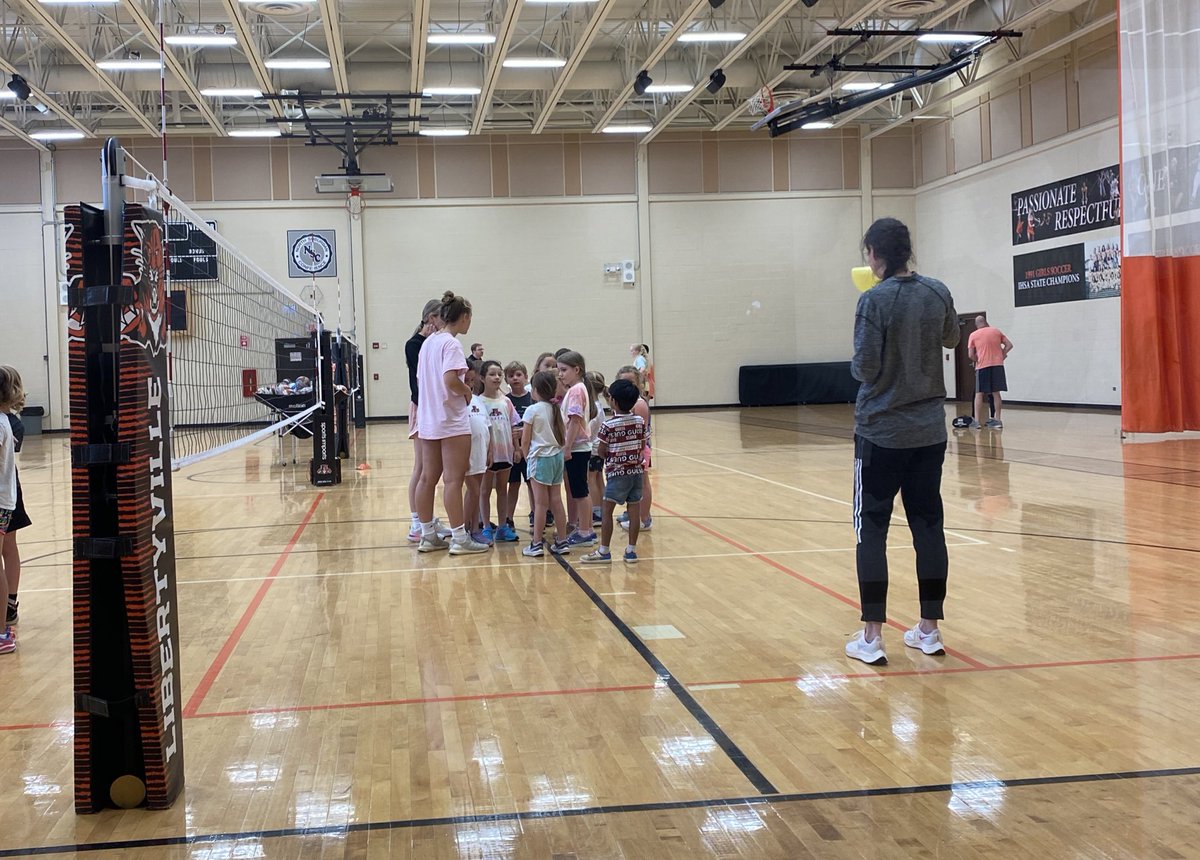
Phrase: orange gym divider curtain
pixel 1160 183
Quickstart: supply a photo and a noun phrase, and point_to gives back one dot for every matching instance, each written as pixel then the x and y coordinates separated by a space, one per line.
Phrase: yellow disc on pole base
pixel 863 278
pixel 127 791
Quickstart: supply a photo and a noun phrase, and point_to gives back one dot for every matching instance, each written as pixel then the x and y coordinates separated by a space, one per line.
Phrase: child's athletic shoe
pixel 534 550
pixel 478 537
pixel 597 557
pixel 578 538
pixel 467 546
pixel 506 534
pixel 11 616
pixel 488 534
pixel 631 555
pixel 414 534
pixel 433 543
pixel 871 653
pixel 929 643
pixel 623 518
pixel 597 517
pixel 646 524
pixel 561 547
pixel 995 424
pixel 443 530
pixel 8 642
pixel 974 425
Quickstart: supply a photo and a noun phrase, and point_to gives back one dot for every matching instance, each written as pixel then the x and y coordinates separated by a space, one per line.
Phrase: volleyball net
pixel 243 351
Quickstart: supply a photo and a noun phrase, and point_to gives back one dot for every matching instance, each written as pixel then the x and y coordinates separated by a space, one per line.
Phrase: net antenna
pixel 238 339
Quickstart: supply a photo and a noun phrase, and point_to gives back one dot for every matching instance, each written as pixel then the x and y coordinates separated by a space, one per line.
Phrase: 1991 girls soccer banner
pixel 1085 270
pixel 128 699
pixel 1089 201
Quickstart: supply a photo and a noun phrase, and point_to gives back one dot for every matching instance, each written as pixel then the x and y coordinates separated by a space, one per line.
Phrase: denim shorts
pixel 546 470
pixel 624 488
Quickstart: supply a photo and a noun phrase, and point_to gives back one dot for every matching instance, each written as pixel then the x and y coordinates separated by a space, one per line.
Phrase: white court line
pixel 896 517
pixel 525 564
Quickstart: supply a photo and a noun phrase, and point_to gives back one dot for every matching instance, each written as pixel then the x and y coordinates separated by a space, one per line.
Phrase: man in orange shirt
pixel 988 347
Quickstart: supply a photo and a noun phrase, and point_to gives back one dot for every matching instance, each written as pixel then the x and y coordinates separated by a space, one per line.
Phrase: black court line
pixel 662 806
pixel 757 778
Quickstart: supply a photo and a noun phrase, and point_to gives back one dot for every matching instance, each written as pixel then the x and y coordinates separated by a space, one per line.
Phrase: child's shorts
pixel 499 467
pixel 518 473
pixel 478 464
pixel 546 470
pixel 623 488
pixel 5 520
pixel 577 471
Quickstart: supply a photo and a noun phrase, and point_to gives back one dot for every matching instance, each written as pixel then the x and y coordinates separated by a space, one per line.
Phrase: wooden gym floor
pixel 348 697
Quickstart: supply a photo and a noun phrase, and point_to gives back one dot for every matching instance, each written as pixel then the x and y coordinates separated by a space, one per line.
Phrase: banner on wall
pixel 1089 201
pixel 1073 273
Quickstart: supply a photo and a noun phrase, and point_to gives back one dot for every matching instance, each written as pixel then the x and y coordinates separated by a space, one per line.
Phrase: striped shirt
pixel 624 436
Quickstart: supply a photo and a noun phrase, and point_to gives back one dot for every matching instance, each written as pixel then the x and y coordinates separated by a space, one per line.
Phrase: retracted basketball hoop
pixel 762 102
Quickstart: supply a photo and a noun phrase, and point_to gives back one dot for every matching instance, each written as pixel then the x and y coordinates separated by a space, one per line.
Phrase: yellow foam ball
pixel 863 278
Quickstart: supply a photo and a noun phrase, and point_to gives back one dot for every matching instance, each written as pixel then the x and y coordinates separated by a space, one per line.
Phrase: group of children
pixel 563 429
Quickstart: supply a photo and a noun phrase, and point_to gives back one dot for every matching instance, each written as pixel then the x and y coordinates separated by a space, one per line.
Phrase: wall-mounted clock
pixel 312 254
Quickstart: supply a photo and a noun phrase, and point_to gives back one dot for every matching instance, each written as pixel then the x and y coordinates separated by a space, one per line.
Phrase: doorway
pixel 964 371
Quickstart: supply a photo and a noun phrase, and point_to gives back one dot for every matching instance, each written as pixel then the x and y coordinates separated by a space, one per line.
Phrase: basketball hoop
pixel 762 102
pixel 355 202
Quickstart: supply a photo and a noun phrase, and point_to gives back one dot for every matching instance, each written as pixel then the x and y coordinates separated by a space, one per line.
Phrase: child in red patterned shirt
pixel 622 438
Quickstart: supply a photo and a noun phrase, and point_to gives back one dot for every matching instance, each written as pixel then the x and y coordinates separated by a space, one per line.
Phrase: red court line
pixel 475 697
pixel 881 674
pixel 970 661
pixel 210 676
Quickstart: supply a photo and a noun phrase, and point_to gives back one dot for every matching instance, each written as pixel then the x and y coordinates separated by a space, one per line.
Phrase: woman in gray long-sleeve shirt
pixel 900 328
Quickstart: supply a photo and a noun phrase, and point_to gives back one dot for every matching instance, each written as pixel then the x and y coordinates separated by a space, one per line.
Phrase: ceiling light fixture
pixel 715 81
pixel 19 87
pixel 864 86
pixel 712 36
pixel 201 40
pixel 61 134
pixel 130 65
pixel 254 132
pixel 451 91
pixel 77 2
pixel 534 63
pixel 669 88
pixel 642 82
pixel 297 64
pixel 951 38
pixel 627 129
pixel 460 38
pixel 231 93
pixel 445 132
pixel 816 126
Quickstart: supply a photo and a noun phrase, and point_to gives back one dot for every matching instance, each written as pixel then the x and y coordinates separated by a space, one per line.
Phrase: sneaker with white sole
pixel 578 538
pixel 871 653
pixel 597 557
pixel 415 534
pixel 994 424
pixel 534 550
pixel 929 643
pixel 646 525
pixel 467 546
pixel 443 531
pixel 8 641
pixel 560 547
pixel 433 543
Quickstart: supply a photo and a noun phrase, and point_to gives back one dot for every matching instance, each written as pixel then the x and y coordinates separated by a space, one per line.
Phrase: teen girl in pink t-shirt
pixel 445 430
pixel 578 409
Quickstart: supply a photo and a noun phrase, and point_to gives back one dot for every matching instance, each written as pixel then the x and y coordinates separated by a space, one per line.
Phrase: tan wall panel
pixel 816 162
pixel 934 151
pixel 892 161
pixel 398 162
pixel 968 139
pixel 500 183
pixel 241 172
pixel 464 170
pixel 609 168
pixel 744 165
pixel 536 170
pixel 76 175
pixel 781 166
pixel 281 182
pixel 1006 123
pixel 851 163
pixel 1098 88
pixel 19 182
pixel 308 162
pixel 711 160
pixel 676 167
pixel 202 170
pixel 427 170
pixel 1048 101
pixel 572 168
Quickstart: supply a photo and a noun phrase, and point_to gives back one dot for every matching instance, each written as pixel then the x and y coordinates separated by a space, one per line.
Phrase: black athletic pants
pixel 915 473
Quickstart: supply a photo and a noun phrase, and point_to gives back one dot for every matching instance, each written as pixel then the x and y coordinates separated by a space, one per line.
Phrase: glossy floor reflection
pixel 349 697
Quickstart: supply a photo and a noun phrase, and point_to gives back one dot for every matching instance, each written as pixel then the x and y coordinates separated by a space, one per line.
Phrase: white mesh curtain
pixel 1160 186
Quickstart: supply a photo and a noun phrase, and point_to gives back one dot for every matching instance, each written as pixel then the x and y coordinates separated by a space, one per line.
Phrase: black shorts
pixel 499 467
pixel 990 379
pixel 20 519
pixel 576 470
pixel 517 473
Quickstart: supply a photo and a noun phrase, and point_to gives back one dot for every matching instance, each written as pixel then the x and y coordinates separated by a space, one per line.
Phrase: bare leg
pixel 541 500
pixel 455 458
pixel 4 583
pixel 979 414
pixel 11 564
pixel 560 515
pixel 647 500
pixel 485 498
pixel 500 479
pixel 635 522
pixel 418 463
pixel 996 398
pixel 430 453
pixel 606 526
pixel 472 498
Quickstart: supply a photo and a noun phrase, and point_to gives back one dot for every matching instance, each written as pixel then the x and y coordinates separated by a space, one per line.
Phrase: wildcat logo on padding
pixel 144 322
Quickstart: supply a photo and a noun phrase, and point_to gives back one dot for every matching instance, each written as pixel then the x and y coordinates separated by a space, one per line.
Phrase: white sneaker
pixel 467 546
pixel 443 530
pixel 869 652
pixel 929 643
pixel 433 543
pixel 414 534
